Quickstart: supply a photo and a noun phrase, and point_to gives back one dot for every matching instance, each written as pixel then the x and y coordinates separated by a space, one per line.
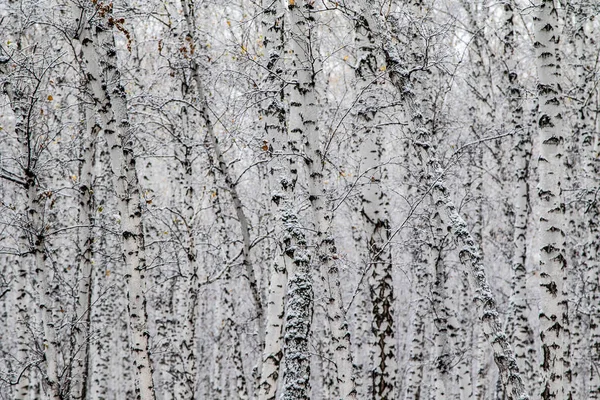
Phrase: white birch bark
pixel 103 310
pixel 375 215
pixel 272 351
pixel 165 362
pixel 442 379
pixel 282 182
pixel 416 376
pixel 186 301
pixel 221 380
pixel 468 337
pixel 22 296
pixel 482 119
pixel 181 375
pixel 550 237
pixel 586 218
pixel 518 326
pixel 42 285
pixel 99 56
pixel 381 286
pixel 22 301
pixel 82 317
pixel 35 200
pixel 325 251
pixel 303 124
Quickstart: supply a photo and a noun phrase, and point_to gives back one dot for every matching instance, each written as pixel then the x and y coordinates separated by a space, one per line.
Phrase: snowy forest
pixel 299 199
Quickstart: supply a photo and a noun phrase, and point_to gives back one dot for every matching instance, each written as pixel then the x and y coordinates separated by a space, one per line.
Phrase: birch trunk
pixel 303 124
pixel 22 300
pixel 482 120
pixel 418 355
pixel 187 294
pixel 553 316
pixel 375 214
pixel 326 252
pixel 586 219
pixel 272 351
pixel 442 387
pixel 518 326
pixel 100 60
pixel 102 291
pixel 282 181
pixel 81 324
pixel 42 285
pixel 36 225
pixel 22 296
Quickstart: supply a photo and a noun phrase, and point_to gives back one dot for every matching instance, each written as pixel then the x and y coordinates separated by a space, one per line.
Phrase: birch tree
pixel 283 180
pixel 30 137
pixel 302 129
pixel 374 210
pixel 99 55
pixel 518 325
pixel 82 316
pixel 554 318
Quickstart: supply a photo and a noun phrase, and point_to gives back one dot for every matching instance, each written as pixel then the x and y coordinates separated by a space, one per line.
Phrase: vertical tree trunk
pixel 283 182
pixel 325 246
pixel 36 225
pixel 482 120
pixel 22 291
pixel 303 126
pixel 553 316
pixel 374 210
pixel 22 300
pixel 518 326
pixel 376 219
pixel 100 60
pixel 586 217
pixel 442 378
pixel 103 309
pixel 418 355
pixel 81 324
pixel 186 301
